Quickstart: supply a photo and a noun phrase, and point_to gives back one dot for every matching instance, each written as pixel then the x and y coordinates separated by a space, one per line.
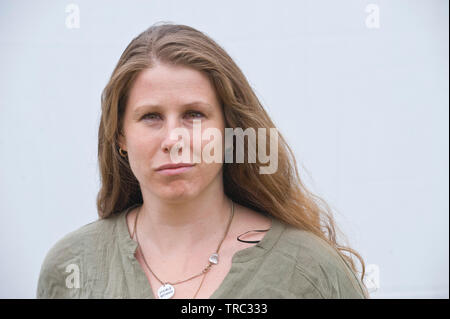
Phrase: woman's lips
pixel 175 171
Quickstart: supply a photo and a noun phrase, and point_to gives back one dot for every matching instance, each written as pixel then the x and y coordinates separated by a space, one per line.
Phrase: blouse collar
pixel 129 245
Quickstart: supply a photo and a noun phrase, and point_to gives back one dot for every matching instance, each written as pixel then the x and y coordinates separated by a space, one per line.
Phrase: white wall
pixel 365 110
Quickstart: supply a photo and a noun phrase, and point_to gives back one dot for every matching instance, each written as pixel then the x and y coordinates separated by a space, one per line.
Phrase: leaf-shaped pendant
pixel 214 258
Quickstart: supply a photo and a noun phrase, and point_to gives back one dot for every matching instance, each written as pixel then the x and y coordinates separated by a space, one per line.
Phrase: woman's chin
pixel 177 195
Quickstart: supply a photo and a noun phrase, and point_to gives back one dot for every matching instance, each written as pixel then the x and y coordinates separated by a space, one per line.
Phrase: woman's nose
pixel 174 136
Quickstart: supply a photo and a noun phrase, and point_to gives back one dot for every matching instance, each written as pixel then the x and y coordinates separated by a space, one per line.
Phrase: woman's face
pixel 160 100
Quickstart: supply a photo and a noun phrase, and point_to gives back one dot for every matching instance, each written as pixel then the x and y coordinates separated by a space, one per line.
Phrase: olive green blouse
pixel 97 261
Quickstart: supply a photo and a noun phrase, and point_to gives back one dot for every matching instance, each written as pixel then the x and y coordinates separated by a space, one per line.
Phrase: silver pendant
pixel 214 258
pixel 166 291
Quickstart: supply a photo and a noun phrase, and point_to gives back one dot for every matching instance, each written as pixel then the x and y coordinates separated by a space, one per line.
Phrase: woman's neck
pixel 194 225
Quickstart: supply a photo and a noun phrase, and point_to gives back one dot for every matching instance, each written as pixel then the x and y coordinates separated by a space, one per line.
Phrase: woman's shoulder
pixel 83 238
pixel 74 254
pixel 317 263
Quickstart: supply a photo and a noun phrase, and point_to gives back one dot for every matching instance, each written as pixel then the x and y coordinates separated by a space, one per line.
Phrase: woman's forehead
pixel 163 77
pixel 167 85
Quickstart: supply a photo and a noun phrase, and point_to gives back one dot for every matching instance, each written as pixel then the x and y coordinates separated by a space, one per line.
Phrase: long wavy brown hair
pixel 281 194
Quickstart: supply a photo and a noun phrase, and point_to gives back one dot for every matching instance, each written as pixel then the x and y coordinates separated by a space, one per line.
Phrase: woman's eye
pixel 150 116
pixel 195 114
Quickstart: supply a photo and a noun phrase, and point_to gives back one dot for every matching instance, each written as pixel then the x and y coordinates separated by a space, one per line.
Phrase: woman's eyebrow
pixel 141 109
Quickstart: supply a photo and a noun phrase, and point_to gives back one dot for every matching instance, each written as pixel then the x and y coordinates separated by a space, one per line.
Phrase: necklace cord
pixel 252 241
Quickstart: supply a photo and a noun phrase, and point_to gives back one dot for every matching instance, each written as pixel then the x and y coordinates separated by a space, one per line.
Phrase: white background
pixel 365 110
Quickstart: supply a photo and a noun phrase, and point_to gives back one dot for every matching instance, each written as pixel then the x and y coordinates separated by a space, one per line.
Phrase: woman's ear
pixel 121 141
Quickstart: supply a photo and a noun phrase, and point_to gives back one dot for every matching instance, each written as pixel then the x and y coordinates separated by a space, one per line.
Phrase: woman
pixel 194 229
